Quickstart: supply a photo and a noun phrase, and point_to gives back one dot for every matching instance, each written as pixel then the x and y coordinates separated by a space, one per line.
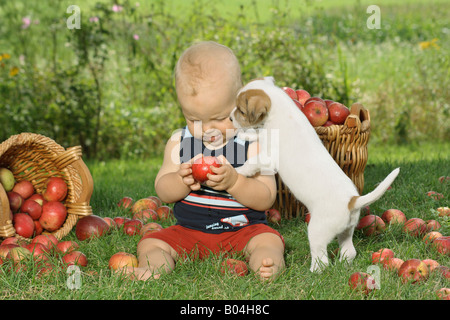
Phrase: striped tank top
pixel 209 210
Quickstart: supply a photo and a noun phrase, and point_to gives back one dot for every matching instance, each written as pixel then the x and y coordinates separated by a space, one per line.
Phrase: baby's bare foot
pixel 268 269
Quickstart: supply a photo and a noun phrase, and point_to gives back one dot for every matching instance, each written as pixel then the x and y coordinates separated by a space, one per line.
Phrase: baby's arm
pixel 257 192
pixel 174 181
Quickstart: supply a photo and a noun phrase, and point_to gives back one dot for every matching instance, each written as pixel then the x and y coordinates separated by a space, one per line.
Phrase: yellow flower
pixel 13 71
pixel 6 56
pixel 429 44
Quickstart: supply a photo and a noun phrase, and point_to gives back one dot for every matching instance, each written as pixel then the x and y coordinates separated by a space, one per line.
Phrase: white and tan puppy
pixel 304 165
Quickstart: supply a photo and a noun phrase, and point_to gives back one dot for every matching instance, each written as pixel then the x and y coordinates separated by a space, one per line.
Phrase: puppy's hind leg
pixel 347 249
pixel 319 235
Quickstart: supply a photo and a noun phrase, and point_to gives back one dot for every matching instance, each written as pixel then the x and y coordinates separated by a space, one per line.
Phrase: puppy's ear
pixel 254 105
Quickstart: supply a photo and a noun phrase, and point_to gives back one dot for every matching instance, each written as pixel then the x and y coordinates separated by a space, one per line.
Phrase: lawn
pixel 421 166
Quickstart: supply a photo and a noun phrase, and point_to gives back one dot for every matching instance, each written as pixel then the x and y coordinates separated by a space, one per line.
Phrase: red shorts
pixel 198 244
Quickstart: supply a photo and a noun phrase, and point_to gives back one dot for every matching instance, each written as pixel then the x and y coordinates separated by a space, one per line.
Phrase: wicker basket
pixel 347 144
pixel 35 158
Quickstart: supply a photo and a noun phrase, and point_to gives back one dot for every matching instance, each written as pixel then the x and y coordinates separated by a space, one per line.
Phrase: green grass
pixel 421 167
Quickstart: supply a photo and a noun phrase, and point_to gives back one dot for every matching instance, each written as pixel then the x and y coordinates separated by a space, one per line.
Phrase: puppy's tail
pixel 362 201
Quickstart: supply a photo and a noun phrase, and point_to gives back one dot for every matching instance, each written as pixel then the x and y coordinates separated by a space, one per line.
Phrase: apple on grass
pixel 431 264
pixel 146 215
pixel 290 92
pixel 25 188
pixel 120 221
pixel 132 227
pixel 413 270
pixel 338 112
pixel 316 112
pixel 445 271
pixel 90 227
pixel 125 203
pixel 362 282
pixel 430 236
pixel 201 167
pixel 444 179
pixel 23 224
pixel 415 226
pixel 392 216
pixel 433 225
pixel 164 212
pixel 48 240
pixel 442 245
pixel 371 225
pixel 392 263
pixel 75 258
pixel 273 215
pixel 443 211
pixel 38 251
pixel 122 260
pixel 381 255
pixel 444 294
pixel 144 204
pixel 53 215
pixel 156 199
pixel 234 266
pixel 55 189
pixel 67 246
pixel 435 195
pixel 151 226
pixel 110 221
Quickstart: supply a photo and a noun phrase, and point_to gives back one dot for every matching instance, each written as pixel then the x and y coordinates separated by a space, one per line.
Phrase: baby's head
pixel 207 79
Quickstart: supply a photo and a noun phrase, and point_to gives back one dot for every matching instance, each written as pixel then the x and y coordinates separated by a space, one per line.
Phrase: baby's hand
pixel 185 172
pixel 224 177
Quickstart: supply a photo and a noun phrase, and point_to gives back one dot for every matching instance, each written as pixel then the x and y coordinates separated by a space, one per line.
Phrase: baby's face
pixel 208 113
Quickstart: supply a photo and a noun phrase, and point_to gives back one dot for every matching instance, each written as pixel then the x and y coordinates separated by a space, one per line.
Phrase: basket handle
pixel 358 114
pixel 6 226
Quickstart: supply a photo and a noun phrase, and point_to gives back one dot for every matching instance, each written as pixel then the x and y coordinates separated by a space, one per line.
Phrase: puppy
pixel 304 165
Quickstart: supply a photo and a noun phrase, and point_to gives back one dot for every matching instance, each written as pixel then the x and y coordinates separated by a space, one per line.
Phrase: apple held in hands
pixel 201 167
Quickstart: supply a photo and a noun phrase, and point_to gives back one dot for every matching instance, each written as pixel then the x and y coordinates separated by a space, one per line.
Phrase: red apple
pixel 6 248
pixel 146 215
pixel 90 227
pixel 132 227
pixel 328 123
pixel 37 228
pixel 273 215
pixel 144 204
pixel 290 92
pixel 362 281
pixel 201 168
pixel 328 102
pixel 366 211
pixel 156 199
pixel 392 263
pixel 11 240
pixel 444 179
pixel 371 225
pixel 67 246
pixel 431 264
pixel 316 112
pixel 392 216
pixel 316 99
pixel 126 203
pixel 121 260
pixel 445 271
pixel 381 255
pixel 53 215
pixel 120 221
pixel 19 254
pixel 433 225
pixel 430 236
pixel 33 209
pixel 234 266
pixel 38 250
pixel 307 217
pixel 298 104
pixel 164 212
pixel 302 96
pixel 48 240
pixel 23 224
pixel 444 294
pixel 413 270
pixel 443 211
pixel 151 226
pixel 442 244
pixel 432 194
pixel 39 198
pixel 24 188
pixel 75 258
pixel 110 221
pixel 15 200
pixel 55 189
pixel 338 112
pixel 415 226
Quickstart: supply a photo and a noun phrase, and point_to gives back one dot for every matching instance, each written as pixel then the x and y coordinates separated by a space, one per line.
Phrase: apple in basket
pixel 23 224
pixel 24 188
pixel 55 189
pixel 33 209
pixel 53 215
pixel 302 96
pixel 338 112
pixel 90 227
pixel 201 167
pixel 290 92
pixel 316 111
pixel 15 200
pixel 7 179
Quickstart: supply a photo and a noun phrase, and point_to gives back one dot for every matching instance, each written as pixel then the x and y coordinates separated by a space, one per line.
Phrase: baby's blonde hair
pixel 201 62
